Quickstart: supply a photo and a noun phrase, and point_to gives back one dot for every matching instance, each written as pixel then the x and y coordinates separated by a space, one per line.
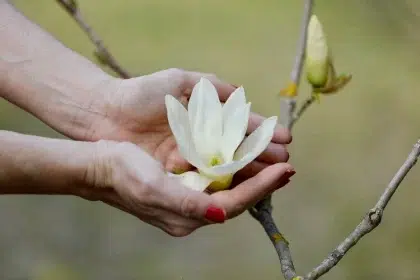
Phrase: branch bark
pixel 101 52
pixel 288 104
pixel 305 106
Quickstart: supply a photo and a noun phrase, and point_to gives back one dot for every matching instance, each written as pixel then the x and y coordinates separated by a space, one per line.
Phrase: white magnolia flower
pixel 317 54
pixel 210 136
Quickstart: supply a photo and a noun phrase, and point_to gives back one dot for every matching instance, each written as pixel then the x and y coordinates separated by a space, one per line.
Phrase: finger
pixel 175 163
pixel 248 193
pixel 223 89
pixel 281 134
pixel 250 170
pixel 189 203
pixel 274 153
pixel 168 154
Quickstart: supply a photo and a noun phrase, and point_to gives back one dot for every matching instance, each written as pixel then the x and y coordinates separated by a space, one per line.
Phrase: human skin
pixel 122 144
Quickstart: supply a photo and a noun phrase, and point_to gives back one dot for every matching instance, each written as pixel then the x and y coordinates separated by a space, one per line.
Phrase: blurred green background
pixel 345 149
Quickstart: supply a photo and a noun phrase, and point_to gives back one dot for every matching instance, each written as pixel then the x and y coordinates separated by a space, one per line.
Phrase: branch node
pixel 375 216
pixel 336 255
pixel 277 237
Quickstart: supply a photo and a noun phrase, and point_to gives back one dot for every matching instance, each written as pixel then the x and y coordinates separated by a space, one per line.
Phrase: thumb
pixel 191 203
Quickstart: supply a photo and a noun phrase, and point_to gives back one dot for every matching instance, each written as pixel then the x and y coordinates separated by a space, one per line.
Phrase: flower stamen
pixel 215 160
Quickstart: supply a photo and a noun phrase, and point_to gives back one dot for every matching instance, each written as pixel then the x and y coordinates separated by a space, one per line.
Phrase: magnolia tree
pixel 216 165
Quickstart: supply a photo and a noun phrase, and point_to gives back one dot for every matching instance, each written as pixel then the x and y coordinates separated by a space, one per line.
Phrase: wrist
pixel 116 165
pixel 38 165
pixel 100 168
pixel 88 111
pixel 52 82
pixel 69 104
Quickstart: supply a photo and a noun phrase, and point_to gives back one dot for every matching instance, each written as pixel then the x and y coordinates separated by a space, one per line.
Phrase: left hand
pixel 136 113
pixel 124 176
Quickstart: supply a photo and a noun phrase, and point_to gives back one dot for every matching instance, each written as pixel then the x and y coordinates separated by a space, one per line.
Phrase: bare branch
pixel 262 211
pixel 288 104
pixel 300 56
pixel 308 102
pixel 102 53
pixel 264 216
pixel 371 220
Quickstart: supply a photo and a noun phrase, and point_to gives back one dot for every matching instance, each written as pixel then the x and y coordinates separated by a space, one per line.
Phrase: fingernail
pixel 289 173
pixel 215 214
pixel 282 184
pixel 235 86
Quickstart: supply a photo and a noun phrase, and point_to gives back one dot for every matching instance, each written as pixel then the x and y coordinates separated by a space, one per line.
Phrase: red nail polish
pixel 215 214
pixel 283 184
pixel 279 186
pixel 289 174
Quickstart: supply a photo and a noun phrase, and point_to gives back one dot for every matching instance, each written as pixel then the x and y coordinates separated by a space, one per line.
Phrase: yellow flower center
pixel 220 182
pixel 215 160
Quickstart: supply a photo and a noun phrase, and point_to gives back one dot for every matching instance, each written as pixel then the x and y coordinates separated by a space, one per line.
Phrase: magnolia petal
pixel 205 116
pixel 234 129
pixel 179 124
pixel 193 180
pixel 236 100
pixel 316 46
pixel 250 148
pixel 258 141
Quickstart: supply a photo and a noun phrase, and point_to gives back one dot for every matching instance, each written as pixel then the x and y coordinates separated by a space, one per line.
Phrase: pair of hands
pixel 126 145
pixel 129 167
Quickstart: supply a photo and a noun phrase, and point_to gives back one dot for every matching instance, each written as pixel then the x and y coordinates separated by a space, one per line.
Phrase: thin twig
pixel 288 104
pixel 306 104
pixel 371 220
pixel 264 216
pixel 296 73
pixel 263 210
pixel 102 53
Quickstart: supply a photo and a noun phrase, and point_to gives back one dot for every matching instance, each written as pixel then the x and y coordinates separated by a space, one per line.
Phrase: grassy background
pixel 345 149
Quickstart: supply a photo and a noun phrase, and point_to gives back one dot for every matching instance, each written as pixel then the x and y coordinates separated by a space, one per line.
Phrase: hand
pixel 124 176
pixel 136 113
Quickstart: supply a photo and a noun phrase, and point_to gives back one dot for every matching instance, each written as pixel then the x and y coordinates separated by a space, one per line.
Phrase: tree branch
pixel 281 245
pixel 296 73
pixel 370 221
pixel 308 102
pixel 101 53
pixel 288 104
pixel 262 211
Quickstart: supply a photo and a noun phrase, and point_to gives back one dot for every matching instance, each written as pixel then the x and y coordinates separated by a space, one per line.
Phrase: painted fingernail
pixel 289 173
pixel 215 214
pixel 279 186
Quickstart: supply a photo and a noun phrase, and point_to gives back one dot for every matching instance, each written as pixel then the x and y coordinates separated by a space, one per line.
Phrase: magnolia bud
pixel 317 54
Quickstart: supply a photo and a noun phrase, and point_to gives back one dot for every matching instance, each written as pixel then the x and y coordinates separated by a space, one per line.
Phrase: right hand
pixel 126 177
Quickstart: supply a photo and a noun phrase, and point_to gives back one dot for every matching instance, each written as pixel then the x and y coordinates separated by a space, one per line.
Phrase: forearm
pixel 37 165
pixel 42 76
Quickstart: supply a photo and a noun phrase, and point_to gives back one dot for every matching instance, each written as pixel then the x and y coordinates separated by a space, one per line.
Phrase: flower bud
pixel 317 54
